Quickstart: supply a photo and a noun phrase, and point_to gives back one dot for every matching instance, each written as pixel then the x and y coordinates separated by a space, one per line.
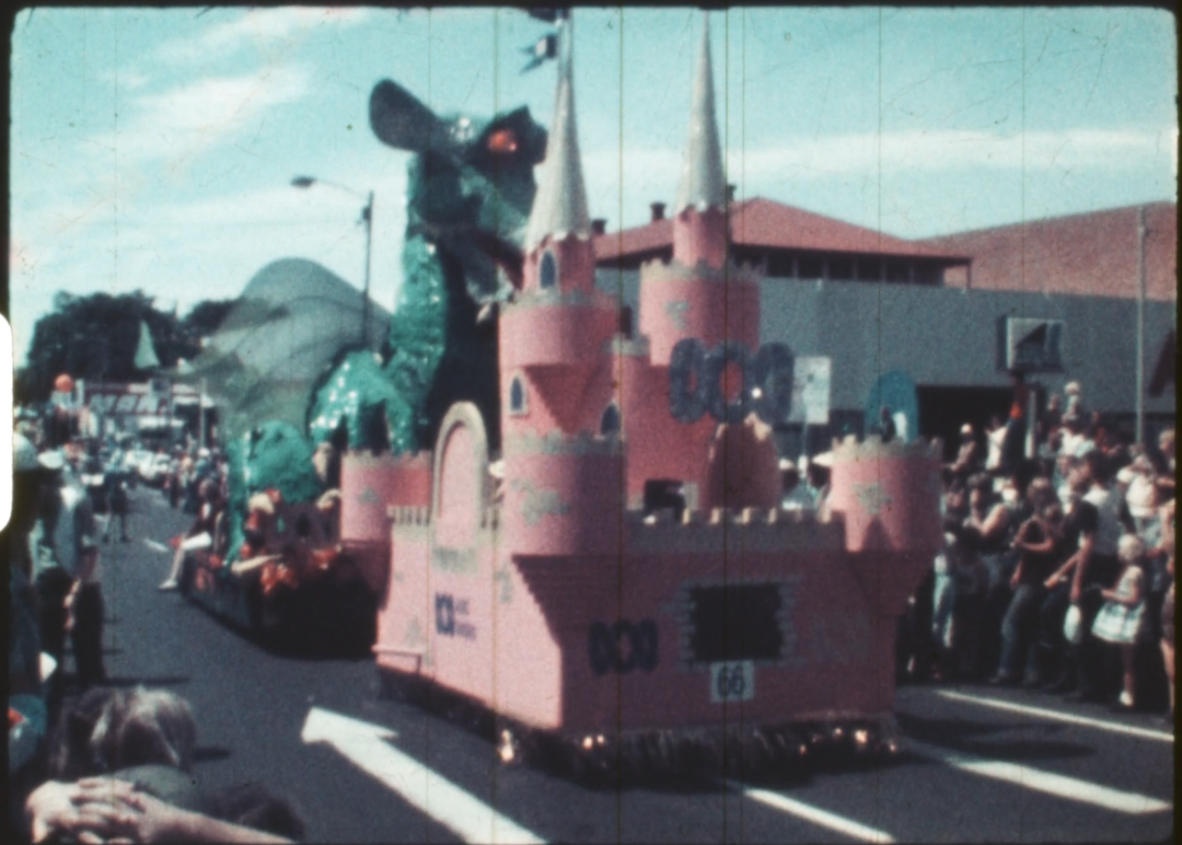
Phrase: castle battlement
pixel 674 270
pixel 369 459
pixel 872 448
pixel 558 443
pixel 409 515
pixel 554 298
pixel 725 530
pixel 621 346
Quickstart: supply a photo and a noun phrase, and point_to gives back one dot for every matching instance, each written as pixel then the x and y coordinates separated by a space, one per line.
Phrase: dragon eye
pixel 502 141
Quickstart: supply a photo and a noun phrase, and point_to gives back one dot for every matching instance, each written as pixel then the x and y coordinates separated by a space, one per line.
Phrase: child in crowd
pixel 1121 619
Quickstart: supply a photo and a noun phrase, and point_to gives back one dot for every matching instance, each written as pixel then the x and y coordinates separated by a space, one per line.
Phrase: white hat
pixel 825 459
pixel 24 454
pixel 786 465
pixel 1072 388
pixel 53 460
pixel 966 429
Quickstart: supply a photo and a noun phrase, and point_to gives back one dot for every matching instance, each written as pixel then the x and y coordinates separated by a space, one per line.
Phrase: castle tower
pixel 553 336
pixel 698 294
pixel 563 485
pixel 699 221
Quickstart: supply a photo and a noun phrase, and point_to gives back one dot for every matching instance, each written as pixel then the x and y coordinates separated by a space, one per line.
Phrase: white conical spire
pixel 703 183
pixel 560 207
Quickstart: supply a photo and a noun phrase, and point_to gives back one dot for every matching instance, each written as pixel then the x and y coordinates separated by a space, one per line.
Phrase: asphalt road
pixel 976 764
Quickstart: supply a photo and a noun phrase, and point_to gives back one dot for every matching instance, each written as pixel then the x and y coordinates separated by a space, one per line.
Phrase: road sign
pixel 810 391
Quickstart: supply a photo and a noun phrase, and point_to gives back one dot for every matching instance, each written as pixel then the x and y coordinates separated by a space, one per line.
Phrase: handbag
pixel 1072 627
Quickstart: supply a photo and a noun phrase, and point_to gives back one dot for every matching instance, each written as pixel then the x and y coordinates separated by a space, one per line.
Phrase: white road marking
pixel 1044 713
pixel 154 546
pixel 363 745
pixel 1060 786
pixel 812 814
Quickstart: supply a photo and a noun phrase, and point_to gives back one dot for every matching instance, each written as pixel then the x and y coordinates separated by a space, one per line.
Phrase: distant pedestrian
pixel 68 578
pixel 968 456
pixel 28 719
pixel 118 503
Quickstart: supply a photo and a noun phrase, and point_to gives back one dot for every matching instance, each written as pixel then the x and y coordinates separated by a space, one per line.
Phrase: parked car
pixel 135 459
pixel 155 470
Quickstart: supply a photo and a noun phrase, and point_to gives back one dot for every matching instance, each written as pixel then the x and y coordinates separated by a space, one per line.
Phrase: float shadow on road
pixel 1009 741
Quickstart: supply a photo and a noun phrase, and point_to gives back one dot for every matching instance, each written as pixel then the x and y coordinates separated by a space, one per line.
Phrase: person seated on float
pixel 795 494
pixel 201 533
pixel 327 461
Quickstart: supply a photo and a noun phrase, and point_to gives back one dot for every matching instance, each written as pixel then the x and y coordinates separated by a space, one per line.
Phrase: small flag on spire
pixel 145 353
pixel 546 48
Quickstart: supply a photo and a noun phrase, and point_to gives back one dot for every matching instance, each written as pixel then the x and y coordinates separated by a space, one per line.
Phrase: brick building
pixel 874 303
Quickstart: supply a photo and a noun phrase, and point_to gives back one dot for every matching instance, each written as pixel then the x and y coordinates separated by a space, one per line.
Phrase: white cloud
pixel 184 121
pixel 263 28
pixel 126 78
pixel 652 174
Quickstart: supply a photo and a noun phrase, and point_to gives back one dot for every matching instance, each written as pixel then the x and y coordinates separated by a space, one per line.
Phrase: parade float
pixel 290 561
pixel 593 554
pixel 620 587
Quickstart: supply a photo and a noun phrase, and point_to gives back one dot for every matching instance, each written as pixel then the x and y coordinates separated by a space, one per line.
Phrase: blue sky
pixel 154 149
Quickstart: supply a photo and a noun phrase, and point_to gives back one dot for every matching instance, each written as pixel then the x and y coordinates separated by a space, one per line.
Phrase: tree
pixel 205 317
pixel 95 337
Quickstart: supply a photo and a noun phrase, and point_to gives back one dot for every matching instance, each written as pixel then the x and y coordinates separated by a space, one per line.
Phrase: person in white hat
pixel 968 456
pixel 66 570
pixel 28 717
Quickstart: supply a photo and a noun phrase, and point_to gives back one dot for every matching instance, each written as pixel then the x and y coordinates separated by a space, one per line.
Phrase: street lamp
pixel 367 219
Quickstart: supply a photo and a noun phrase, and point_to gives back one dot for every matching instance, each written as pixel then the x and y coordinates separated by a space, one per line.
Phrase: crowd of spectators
pixel 95 763
pixel 1057 569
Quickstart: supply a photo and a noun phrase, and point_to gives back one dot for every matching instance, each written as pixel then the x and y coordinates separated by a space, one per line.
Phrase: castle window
pixel 609 424
pixel 548 271
pixel 735 622
pixel 518 406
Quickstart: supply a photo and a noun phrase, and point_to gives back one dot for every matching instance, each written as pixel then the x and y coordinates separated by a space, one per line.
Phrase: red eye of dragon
pixel 502 141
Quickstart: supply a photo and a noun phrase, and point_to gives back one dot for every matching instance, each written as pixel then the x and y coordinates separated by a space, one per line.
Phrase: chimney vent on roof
pixel 730 192
pixel 658 209
pixel 598 226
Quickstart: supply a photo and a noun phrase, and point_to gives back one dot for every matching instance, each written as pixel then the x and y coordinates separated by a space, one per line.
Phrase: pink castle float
pixel 540 589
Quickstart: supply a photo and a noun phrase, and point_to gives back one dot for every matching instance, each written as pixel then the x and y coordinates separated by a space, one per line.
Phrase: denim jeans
pixel 1018 629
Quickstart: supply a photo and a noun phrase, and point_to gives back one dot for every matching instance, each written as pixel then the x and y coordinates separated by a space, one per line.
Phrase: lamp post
pixel 367 219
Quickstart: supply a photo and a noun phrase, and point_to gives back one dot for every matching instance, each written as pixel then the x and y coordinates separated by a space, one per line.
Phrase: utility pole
pixel 201 416
pixel 1141 326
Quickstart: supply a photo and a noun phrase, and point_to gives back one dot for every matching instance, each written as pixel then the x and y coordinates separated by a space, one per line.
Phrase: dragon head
pixel 471 182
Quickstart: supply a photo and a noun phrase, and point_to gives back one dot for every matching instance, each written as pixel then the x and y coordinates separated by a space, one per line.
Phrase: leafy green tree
pixel 94 337
pixel 205 318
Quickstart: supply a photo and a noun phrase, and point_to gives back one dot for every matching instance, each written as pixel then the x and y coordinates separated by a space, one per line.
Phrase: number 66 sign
pixel 732 681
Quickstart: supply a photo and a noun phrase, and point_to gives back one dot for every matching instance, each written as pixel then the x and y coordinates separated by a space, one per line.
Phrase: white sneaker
pixel 170 584
pixel 1126 699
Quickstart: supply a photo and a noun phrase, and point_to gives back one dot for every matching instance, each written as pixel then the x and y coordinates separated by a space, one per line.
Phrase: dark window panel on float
pixel 609 424
pixel 518 404
pixel 548 271
pixel 735 622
